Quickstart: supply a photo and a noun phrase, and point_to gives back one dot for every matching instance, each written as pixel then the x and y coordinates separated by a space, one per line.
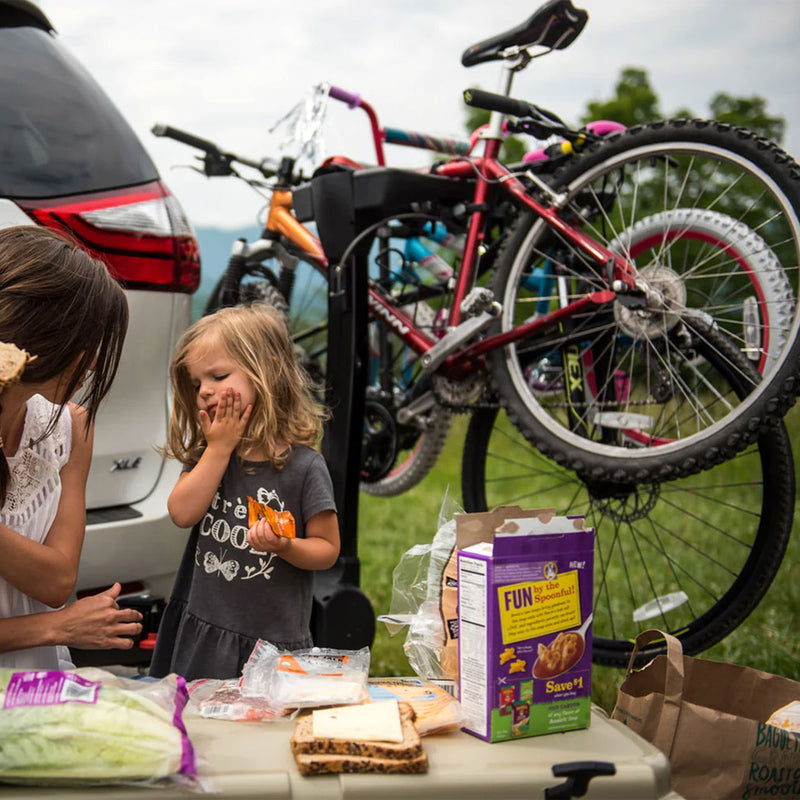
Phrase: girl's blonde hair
pixel 285 411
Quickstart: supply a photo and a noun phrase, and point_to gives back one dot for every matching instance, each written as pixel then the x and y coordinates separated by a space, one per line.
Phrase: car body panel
pixel 66 147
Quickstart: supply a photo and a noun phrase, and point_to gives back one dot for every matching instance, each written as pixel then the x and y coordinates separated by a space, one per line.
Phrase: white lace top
pixel 32 498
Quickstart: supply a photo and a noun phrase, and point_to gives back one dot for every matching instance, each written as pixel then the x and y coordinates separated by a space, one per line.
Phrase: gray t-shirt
pixel 228 595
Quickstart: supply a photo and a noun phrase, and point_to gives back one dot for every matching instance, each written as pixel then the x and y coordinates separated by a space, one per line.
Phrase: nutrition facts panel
pixel 472 632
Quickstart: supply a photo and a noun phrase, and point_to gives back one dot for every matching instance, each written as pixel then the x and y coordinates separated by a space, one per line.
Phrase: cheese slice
pixel 371 722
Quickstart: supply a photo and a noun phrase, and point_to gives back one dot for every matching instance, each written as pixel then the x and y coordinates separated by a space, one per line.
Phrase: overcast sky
pixel 228 71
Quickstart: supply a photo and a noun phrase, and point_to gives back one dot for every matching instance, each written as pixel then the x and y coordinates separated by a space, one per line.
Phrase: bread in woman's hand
pixel 12 363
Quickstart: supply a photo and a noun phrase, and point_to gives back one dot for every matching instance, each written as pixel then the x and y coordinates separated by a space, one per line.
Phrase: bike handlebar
pixel 534 120
pixel 216 161
pixel 352 99
pixel 160 129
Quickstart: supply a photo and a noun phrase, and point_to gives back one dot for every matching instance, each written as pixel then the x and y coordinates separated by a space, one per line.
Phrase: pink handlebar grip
pixel 352 100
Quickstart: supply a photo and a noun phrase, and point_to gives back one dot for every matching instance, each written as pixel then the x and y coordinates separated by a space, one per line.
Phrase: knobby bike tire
pixel 652 169
pixel 654 539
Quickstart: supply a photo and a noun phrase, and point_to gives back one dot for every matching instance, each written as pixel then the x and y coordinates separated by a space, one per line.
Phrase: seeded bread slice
pixel 304 742
pixel 12 363
pixel 322 764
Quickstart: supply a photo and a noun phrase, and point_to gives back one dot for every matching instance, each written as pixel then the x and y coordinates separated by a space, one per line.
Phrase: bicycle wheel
pixel 692 556
pixel 628 407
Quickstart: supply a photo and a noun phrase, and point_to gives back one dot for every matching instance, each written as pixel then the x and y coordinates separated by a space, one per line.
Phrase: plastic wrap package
pixel 424 599
pixel 309 678
pixel 437 711
pixel 90 726
pixel 213 698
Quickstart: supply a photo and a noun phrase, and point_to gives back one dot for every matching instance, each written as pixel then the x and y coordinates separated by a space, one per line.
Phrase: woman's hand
pixel 97 622
pixel 229 423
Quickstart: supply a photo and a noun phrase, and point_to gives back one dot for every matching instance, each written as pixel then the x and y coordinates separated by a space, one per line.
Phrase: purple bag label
pixel 47 688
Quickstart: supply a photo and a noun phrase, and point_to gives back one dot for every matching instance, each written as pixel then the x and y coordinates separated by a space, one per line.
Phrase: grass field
pixel 389 526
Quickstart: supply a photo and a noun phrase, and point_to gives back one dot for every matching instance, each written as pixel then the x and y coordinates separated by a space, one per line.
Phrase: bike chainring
pixel 378 442
pixel 462 393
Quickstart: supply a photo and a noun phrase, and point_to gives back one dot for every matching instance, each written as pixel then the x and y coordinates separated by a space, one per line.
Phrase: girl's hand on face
pixel 261 537
pixel 229 423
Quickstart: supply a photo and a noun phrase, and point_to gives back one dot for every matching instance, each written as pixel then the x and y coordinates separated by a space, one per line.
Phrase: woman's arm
pixel 318 550
pixel 47 571
pixel 92 623
pixel 194 491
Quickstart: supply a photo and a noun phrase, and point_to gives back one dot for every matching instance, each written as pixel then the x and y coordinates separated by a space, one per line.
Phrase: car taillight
pixel 141 233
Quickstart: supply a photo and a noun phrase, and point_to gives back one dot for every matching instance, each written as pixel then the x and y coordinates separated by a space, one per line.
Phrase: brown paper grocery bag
pixel 708 718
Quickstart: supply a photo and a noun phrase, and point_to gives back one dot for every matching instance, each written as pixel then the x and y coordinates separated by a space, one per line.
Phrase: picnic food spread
pixel 523 579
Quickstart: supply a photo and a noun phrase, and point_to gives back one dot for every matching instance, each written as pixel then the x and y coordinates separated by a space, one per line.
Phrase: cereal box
pixel 524 621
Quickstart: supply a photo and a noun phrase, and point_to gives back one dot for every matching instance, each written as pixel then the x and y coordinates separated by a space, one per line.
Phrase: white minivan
pixel 70 161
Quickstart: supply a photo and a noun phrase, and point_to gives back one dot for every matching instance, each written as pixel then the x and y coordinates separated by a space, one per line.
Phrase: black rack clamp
pixel 342 615
pixel 344 203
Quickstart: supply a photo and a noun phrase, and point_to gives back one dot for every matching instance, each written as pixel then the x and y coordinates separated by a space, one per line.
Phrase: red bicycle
pixel 622 330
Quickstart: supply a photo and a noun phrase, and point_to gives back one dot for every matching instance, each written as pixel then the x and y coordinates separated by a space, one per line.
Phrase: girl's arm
pixel 318 550
pixel 94 622
pixel 194 491
pixel 47 571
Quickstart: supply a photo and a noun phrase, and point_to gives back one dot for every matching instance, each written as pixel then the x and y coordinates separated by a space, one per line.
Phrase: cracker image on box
pixel 525 611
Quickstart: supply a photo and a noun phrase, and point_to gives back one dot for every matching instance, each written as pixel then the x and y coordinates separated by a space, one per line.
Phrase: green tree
pixel 633 103
pixel 748 111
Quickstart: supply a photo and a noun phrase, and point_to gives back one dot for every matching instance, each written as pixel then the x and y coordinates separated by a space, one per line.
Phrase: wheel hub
pixel 624 502
pixel 665 295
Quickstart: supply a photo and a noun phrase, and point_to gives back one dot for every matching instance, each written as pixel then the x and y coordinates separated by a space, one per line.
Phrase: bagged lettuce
pixel 67 728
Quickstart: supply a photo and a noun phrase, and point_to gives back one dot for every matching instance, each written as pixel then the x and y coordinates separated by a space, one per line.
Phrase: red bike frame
pixel 469 359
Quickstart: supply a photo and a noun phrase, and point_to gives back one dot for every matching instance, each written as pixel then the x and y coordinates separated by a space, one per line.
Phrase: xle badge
pixel 125 463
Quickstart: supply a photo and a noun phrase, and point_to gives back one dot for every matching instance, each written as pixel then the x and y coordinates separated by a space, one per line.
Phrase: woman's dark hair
pixel 61 305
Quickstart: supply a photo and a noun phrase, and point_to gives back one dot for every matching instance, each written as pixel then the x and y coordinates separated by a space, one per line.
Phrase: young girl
pixel 63 308
pixel 243 424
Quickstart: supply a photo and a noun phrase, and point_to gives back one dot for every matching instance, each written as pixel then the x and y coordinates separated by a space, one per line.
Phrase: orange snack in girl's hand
pixel 281 522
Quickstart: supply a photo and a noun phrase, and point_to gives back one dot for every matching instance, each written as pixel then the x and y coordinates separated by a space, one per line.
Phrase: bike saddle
pixel 555 26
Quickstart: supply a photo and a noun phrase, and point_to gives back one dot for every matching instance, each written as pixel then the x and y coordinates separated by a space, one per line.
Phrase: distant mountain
pixel 215 250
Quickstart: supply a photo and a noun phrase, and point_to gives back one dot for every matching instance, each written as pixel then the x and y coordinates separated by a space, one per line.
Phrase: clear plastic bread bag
pixel 424 600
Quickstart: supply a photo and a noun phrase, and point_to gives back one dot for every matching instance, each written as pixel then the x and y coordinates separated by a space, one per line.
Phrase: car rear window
pixel 59 132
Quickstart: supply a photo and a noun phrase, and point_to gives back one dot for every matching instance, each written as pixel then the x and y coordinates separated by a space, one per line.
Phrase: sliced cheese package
pixel 309 678
pixel 436 710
